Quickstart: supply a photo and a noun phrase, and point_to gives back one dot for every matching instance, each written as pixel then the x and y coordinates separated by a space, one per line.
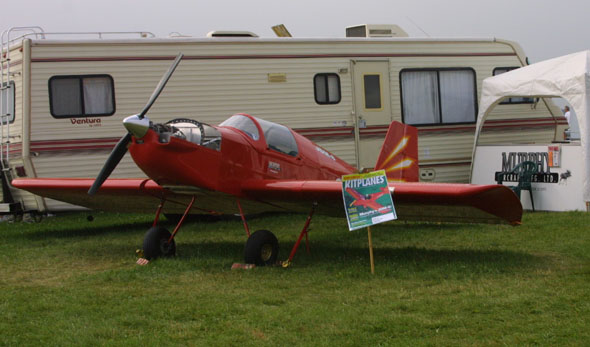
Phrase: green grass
pixel 67 281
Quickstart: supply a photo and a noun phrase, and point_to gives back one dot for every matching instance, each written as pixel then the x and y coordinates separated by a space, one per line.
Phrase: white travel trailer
pixel 64 96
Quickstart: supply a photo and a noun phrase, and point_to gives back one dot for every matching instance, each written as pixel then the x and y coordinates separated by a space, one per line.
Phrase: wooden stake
pixel 371 251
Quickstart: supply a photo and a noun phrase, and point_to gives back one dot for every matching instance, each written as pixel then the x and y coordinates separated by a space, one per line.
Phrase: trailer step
pixel 7 208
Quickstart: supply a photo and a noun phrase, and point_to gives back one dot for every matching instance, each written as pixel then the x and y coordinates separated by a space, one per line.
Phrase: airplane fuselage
pixel 237 157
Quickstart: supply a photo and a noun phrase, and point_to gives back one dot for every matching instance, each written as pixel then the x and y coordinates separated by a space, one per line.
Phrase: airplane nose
pixel 138 127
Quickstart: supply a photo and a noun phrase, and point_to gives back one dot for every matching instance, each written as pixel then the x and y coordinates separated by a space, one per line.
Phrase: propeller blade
pixel 160 86
pixel 136 126
pixel 114 159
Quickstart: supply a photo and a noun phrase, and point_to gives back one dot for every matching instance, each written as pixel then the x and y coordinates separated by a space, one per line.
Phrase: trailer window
pixel 438 96
pixel 326 88
pixel 81 96
pixel 372 88
pixel 516 100
pixel 7 102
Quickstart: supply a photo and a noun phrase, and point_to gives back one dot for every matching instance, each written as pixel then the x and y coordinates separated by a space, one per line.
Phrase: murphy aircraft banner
pixel 367 199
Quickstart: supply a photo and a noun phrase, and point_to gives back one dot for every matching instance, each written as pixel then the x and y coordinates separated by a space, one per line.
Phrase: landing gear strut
pixel 305 232
pixel 262 247
pixel 158 241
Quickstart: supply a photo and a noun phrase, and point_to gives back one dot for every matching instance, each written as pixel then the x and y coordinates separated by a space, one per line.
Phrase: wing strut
pixel 304 231
pixel 243 218
pixel 188 209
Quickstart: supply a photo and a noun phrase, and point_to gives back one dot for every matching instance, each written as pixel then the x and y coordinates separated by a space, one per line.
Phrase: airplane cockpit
pixel 278 137
pixel 190 130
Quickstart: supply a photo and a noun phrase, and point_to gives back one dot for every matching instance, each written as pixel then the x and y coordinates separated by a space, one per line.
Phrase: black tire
pixel 262 248
pixel 155 243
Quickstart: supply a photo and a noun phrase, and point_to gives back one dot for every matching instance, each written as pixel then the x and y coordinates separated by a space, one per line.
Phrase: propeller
pixel 135 125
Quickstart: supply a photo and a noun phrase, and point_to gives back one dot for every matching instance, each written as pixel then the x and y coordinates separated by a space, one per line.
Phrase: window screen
pixel 326 88
pixel 457 96
pixel 7 102
pixel 81 96
pixel 438 96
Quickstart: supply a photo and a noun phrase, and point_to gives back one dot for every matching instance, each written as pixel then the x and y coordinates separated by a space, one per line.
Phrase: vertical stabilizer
pixel 399 154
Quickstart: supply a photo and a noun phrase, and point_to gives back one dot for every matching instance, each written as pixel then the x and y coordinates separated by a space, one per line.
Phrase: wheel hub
pixel 266 252
pixel 164 246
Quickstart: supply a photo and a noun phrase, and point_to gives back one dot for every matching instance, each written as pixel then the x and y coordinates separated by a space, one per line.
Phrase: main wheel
pixel 262 248
pixel 155 243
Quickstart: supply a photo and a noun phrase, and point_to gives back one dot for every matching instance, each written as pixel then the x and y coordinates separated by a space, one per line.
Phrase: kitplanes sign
pixel 367 199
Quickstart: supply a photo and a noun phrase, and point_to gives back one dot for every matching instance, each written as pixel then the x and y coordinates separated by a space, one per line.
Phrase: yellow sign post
pixel 367 201
pixel 371 251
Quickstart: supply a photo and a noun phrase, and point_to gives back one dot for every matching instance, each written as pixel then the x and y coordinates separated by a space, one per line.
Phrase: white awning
pixel 567 77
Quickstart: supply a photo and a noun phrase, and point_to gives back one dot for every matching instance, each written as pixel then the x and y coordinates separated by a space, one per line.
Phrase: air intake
pixel 375 30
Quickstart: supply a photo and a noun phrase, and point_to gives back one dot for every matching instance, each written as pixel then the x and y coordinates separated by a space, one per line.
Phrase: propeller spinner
pixel 136 125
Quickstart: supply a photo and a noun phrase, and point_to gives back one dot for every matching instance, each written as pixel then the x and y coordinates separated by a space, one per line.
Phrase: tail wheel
pixel 262 248
pixel 155 243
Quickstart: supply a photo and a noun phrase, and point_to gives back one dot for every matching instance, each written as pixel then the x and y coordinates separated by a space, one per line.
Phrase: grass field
pixel 67 281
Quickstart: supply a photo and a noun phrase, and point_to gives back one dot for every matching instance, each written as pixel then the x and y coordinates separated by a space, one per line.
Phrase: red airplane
pixel 247 165
pixel 370 200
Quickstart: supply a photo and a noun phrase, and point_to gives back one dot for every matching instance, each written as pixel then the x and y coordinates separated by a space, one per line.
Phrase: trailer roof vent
pixel 222 33
pixel 177 35
pixel 375 30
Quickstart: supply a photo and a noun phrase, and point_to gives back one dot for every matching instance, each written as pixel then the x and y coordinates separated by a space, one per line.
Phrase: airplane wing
pixel 123 195
pixel 440 202
pixel 137 195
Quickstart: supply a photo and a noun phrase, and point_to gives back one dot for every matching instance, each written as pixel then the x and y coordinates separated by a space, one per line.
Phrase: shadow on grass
pixel 324 257
pixel 414 226
pixel 347 256
pixel 86 228
pixel 414 255
pixel 83 228
pixel 326 251
pixel 85 231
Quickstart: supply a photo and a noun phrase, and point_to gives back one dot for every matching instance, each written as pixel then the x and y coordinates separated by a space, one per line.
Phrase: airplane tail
pixel 399 153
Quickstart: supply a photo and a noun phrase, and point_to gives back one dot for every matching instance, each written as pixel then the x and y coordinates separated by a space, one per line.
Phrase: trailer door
pixel 372 109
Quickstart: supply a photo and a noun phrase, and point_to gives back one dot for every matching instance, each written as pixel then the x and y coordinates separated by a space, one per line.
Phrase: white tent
pixel 567 77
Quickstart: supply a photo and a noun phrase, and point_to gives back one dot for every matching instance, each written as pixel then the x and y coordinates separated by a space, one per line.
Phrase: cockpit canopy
pixel 243 123
pixel 278 137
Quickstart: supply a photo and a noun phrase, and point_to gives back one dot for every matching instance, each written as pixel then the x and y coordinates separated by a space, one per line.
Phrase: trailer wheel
pixel 155 243
pixel 18 217
pixel 36 216
pixel 262 248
